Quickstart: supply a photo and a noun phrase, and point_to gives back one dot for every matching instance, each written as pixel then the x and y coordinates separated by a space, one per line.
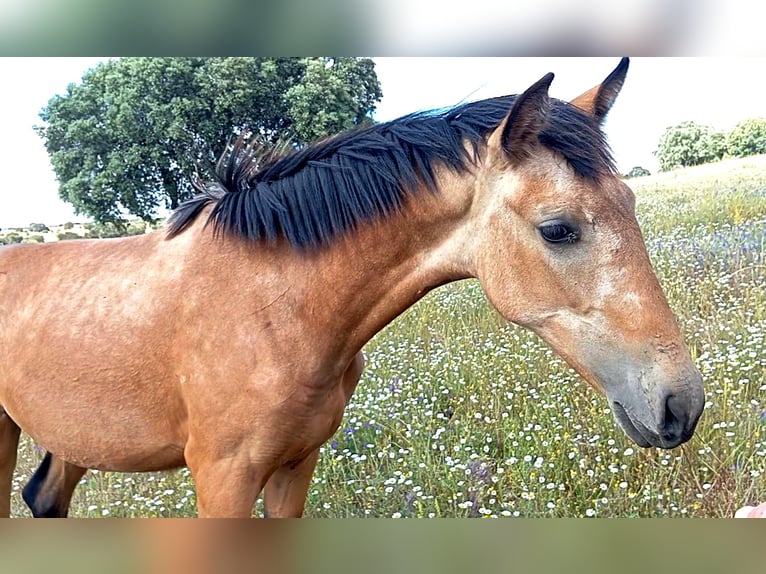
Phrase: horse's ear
pixel 518 132
pixel 598 101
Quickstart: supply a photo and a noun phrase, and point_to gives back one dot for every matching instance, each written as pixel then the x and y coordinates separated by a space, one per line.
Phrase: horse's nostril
pixel 678 406
pixel 676 416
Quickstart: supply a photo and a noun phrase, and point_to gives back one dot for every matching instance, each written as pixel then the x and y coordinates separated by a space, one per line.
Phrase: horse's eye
pixel 559 232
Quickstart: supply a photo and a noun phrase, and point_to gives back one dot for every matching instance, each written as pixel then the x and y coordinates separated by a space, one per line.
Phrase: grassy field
pixel 460 414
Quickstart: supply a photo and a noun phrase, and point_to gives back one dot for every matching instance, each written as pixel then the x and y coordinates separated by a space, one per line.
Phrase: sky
pixel 658 92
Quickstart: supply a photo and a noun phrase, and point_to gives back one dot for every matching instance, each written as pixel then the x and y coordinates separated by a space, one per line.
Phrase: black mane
pixel 316 194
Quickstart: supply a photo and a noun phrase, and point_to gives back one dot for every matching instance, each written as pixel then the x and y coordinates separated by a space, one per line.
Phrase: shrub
pixel 638 171
pixel 137 227
pixel 747 138
pixel 65 235
pixel 108 229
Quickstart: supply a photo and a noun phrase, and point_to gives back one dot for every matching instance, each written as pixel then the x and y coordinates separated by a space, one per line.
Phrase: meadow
pixel 460 414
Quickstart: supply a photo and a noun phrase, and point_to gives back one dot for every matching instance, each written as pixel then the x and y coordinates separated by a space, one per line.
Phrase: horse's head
pixel 559 251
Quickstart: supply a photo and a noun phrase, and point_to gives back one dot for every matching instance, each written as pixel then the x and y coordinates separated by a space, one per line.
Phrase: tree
pixel 712 146
pixel 314 103
pixel 689 143
pixel 38 227
pixel 127 139
pixel 747 138
pixel 638 171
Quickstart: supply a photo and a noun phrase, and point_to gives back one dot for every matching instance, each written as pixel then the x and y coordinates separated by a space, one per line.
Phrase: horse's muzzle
pixel 674 419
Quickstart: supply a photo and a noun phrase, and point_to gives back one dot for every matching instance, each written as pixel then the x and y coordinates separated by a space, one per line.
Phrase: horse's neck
pixel 384 268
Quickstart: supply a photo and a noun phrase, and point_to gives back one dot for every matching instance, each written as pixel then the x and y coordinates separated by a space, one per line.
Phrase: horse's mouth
pixel 642 435
pixel 638 432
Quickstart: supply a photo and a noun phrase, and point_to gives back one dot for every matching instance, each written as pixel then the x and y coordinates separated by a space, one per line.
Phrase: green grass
pixel 461 414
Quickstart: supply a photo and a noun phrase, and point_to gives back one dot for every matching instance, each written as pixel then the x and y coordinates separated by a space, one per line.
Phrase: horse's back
pixel 67 283
pixel 67 262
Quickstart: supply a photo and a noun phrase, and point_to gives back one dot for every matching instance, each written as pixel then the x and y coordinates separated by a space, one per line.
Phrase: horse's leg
pixel 228 481
pixel 9 444
pixel 227 484
pixel 286 491
pixel 49 491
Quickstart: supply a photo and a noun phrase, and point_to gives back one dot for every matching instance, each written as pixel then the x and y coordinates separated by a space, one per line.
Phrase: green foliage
pixel 34 239
pixel 106 230
pixel 747 138
pixel 38 227
pixel 12 237
pixel 127 138
pixel 638 171
pixel 66 235
pixel 115 229
pixel 68 225
pixel 332 98
pixel 689 143
pixel 137 227
pixel 713 146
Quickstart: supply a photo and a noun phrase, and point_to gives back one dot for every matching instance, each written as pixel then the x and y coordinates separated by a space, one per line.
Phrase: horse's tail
pixel 41 492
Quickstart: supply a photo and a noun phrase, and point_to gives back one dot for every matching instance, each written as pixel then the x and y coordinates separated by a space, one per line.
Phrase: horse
pixel 232 342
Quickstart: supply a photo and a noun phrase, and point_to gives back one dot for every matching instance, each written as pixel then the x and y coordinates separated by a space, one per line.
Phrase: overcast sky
pixel 659 92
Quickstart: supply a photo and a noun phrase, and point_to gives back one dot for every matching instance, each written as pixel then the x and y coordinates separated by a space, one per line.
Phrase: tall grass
pixel 461 414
